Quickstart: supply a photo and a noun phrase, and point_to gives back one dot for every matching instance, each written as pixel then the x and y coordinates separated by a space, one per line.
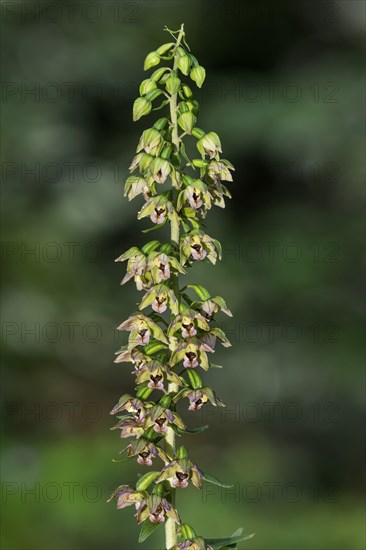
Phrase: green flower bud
pixel 141 107
pixel 198 74
pixel 182 453
pixel 145 481
pixel 186 121
pixel 152 59
pixel 165 401
pixel 187 92
pixel 164 48
pixel 150 141
pixel 153 94
pixel 172 84
pixel 167 151
pixel 184 64
pixel 146 86
pixel 160 123
pixel 198 133
pixel 187 532
pixel 156 76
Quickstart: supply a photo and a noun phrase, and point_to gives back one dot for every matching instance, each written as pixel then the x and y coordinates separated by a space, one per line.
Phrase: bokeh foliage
pixel 299 170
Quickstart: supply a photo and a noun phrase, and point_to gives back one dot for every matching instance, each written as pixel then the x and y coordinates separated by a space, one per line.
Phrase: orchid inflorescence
pixel 173 333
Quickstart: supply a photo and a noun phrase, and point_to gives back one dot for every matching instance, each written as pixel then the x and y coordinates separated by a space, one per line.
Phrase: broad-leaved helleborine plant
pixel 174 331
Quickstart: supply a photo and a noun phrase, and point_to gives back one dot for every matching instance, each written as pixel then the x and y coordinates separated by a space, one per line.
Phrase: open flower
pixel 151 141
pixel 161 418
pixel 180 472
pixel 155 373
pixel 188 322
pixel 190 360
pixel 159 208
pixel 220 171
pixel 192 352
pixel 160 297
pixel 196 245
pixel 132 405
pixel 162 263
pixel 198 398
pixel 145 454
pixel 135 186
pixel 194 197
pixel 158 215
pixel 210 145
pixel 141 328
pixel 157 509
pixel 160 169
pixel 126 496
pixel 136 266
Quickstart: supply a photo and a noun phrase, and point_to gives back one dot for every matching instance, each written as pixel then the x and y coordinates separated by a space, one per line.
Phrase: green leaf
pixel 231 542
pixel 154 228
pixel 147 529
pixel 195 430
pixel 162 104
pixel 201 292
pixel 214 481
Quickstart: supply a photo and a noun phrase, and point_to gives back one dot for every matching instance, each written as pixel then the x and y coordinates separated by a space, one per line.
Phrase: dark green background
pixel 285 92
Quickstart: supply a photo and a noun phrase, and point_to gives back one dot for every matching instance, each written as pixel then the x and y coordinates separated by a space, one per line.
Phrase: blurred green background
pixel 285 92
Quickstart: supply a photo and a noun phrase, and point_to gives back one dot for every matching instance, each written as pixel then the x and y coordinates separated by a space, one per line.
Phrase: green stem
pixel 170 529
